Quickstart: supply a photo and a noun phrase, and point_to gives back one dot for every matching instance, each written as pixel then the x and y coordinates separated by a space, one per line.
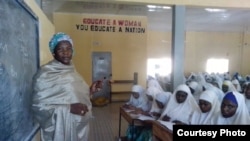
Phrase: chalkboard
pixel 19 60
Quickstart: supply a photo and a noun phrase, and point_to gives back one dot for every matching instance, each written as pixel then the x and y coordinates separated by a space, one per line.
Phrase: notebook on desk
pixel 167 124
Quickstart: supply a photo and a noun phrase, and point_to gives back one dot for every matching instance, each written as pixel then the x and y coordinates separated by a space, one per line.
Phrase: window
pixel 217 65
pixel 159 66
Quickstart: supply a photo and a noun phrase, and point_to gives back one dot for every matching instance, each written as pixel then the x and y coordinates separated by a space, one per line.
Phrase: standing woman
pixel 61 98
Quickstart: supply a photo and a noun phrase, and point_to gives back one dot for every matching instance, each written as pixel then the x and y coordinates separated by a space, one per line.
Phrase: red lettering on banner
pixel 114 22
pixel 96 21
pixel 129 23
pixel 120 22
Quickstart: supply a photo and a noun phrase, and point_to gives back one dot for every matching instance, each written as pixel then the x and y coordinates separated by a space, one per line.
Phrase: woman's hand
pixel 96 86
pixel 78 109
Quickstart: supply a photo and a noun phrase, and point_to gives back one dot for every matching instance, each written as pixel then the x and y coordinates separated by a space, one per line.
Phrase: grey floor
pixel 105 125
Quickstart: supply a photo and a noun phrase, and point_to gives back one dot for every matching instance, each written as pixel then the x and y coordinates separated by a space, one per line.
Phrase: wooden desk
pixel 161 133
pixel 132 121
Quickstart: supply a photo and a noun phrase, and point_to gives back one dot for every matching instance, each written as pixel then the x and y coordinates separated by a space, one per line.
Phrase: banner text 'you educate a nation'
pixel 111 25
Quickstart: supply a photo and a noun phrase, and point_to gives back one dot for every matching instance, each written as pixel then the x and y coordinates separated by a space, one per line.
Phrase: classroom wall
pixel 46 30
pixel 199 46
pixel 212 3
pixel 128 48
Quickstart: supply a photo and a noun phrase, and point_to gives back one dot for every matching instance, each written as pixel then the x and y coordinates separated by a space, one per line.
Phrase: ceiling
pixel 159 17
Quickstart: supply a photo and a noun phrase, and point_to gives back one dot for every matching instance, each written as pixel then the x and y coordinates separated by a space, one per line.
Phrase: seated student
pixel 196 89
pixel 139 103
pixel 180 106
pixel 244 86
pixel 151 93
pixel 138 99
pixel 154 83
pixel 209 105
pixel 219 93
pixel 228 86
pixel 161 101
pixel 237 85
pixel 247 97
pixel 233 110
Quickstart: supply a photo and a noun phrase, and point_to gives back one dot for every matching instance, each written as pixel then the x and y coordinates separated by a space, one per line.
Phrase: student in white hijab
pixel 236 84
pixel 218 80
pixel 140 104
pixel 228 86
pixel 233 110
pixel 138 99
pixel 161 101
pixel 247 97
pixel 196 89
pixel 151 93
pixel 209 106
pixel 219 93
pixel 154 83
pixel 180 106
pixel 244 86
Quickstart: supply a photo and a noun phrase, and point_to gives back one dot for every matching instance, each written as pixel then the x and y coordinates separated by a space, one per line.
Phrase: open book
pixel 167 124
pixel 141 117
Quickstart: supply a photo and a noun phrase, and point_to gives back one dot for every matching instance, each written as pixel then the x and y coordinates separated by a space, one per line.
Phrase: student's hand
pixel 130 107
pixel 126 106
pixel 155 114
pixel 166 118
pixel 78 109
pixel 138 111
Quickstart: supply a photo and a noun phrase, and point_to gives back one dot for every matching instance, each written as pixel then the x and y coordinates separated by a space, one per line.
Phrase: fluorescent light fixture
pixel 215 10
pixel 151 6
pixel 151 10
pixel 166 7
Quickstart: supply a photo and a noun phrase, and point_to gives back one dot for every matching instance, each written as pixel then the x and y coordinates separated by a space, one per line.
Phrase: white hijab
pixel 241 115
pixel 180 111
pixel 219 93
pixel 247 104
pixel 218 80
pixel 205 118
pixel 141 101
pixel 236 84
pixel 197 89
pixel 154 83
pixel 162 97
pixel 153 91
pixel 230 85
pixel 247 100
